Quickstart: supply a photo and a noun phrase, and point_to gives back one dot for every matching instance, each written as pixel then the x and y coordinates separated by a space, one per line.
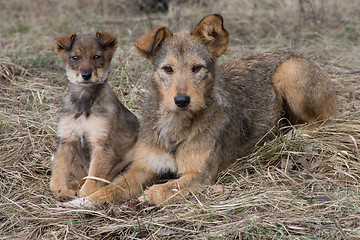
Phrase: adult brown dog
pixel 95 130
pixel 200 117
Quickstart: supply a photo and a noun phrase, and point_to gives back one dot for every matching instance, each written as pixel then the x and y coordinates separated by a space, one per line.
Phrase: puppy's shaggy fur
pixel 95 130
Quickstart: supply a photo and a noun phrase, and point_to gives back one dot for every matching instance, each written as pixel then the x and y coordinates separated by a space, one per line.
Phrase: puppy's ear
pixel 210 30
pixel 64 43
pixel 107 40
pixel 148 44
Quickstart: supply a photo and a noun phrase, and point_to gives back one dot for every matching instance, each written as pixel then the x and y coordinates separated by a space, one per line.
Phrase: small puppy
pixel 96 131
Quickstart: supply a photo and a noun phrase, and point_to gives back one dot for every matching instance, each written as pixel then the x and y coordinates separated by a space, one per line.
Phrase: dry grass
pixel 303 185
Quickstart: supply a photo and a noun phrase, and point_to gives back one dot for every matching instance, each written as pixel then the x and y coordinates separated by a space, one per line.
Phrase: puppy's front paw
pixel 90 186
pixel 64 194
pixel 61 190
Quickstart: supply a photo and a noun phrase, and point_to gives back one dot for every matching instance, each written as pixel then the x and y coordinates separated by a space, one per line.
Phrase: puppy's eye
pixel 75 57
pixel 97 57
pixel 196 68
pixel 168 69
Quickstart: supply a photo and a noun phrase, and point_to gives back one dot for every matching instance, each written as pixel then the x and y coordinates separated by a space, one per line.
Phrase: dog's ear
pixel 147 44
pixel 211 32
pixel 107 40
pixel 64 43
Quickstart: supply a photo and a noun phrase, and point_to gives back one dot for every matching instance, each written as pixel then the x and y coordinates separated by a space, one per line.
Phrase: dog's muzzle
pixel 182 101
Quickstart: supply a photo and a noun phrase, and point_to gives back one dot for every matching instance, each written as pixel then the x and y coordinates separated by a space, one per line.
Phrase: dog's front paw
pixel 79 203
pixel 159 193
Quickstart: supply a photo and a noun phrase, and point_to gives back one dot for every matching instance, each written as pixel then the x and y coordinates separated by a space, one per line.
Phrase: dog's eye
pixel 97 57
pixel 75 57
pixel 168 69
pixel 197 68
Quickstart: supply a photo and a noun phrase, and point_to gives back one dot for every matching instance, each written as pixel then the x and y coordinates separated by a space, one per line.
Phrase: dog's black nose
pixel 182 101
pixel 86 75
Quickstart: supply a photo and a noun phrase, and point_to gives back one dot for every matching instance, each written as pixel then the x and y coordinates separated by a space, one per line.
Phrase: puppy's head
pixel 87 57
pixel 184 62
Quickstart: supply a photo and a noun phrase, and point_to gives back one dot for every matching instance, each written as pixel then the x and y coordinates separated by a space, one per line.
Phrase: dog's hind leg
pixel 304 90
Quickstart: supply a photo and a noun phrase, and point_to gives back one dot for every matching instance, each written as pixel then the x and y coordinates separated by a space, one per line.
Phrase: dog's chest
pixel 170 132
pixel 92 128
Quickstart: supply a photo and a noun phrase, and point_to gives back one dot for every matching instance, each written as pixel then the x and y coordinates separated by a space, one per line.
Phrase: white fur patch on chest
pixel 154 158
pixel 161 163
pixel 92 127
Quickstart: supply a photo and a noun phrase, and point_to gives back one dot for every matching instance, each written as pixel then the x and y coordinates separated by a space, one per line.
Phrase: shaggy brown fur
pixel 200 117
pixel 95 130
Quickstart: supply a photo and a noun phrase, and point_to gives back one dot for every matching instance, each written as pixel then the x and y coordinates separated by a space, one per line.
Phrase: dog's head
pixel 87 57
pixel 184 62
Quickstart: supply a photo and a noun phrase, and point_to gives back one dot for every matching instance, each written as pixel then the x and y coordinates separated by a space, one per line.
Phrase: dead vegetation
pixel 301 185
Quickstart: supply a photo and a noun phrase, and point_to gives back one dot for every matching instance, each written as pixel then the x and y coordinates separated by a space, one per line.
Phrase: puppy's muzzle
pixel 182 101
pixel 86 75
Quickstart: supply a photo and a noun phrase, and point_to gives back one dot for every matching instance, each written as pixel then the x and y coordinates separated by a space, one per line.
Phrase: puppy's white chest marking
pixel 92 127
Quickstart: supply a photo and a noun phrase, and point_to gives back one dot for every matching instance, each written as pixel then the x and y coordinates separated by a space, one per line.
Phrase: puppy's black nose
pixel 182 101
pixel 86 75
